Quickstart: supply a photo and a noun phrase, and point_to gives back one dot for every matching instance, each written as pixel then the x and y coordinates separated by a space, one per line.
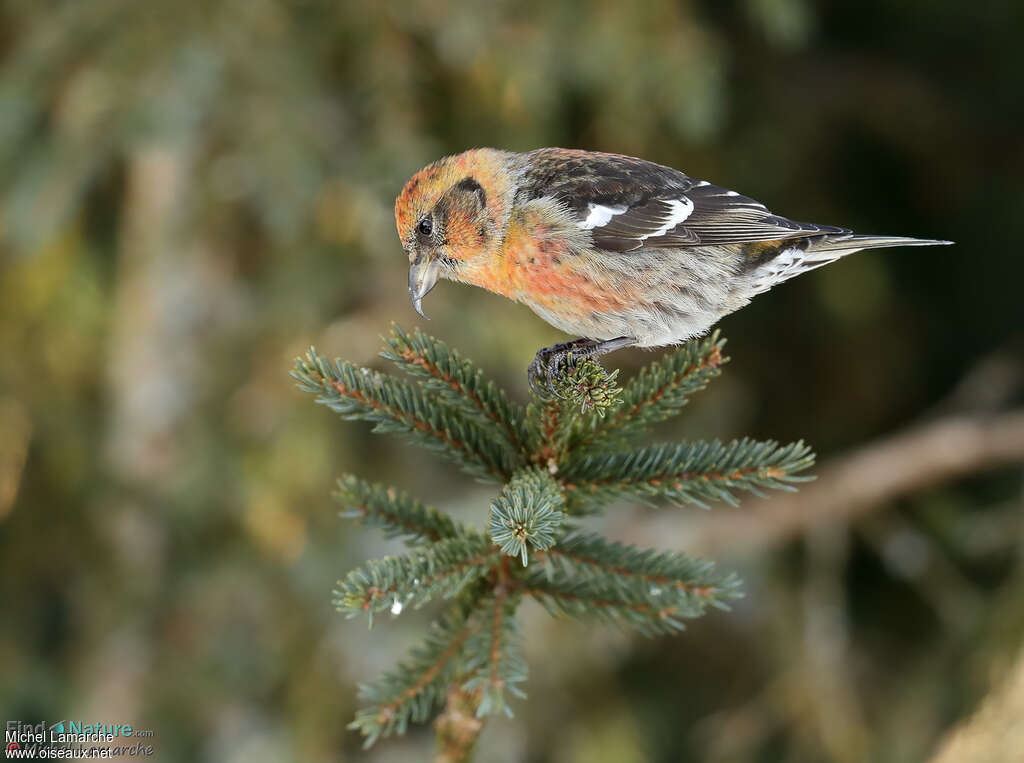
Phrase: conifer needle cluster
pixel 556 460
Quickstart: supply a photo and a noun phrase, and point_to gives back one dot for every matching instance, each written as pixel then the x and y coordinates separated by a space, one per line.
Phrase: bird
pixel 616 250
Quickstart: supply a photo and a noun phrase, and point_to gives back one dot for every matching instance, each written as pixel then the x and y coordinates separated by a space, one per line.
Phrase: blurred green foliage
pixel 193 192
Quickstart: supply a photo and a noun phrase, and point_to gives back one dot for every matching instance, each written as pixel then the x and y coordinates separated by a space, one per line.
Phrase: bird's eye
pixel 426 226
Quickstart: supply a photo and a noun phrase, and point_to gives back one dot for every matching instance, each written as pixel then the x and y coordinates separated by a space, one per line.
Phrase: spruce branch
pixel 395 513
pixel 688 472
pixel 659 392
pixel 494 660
pixel 458 382
pixel 588 556
pixel 587 387
pixel 584 394
pixel 397 406
pixel 548 427
pixel 560 456
pixel 527 514
pixel 650 608
pixel 441 569
pixel 417 685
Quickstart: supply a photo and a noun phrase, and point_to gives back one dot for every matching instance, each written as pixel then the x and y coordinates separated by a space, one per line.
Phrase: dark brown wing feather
pixel 630 203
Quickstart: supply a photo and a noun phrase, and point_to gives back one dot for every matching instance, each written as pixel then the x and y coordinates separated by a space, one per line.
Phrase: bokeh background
pixel 193 192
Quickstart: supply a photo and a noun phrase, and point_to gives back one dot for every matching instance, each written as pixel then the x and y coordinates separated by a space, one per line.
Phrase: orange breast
pixel 536 267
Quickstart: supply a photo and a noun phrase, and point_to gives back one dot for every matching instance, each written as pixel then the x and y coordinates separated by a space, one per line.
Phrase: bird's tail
pixel 838 245
pixel 799 255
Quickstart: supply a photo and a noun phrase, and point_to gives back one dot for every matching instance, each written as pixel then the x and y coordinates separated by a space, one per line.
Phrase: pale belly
pixel 654 297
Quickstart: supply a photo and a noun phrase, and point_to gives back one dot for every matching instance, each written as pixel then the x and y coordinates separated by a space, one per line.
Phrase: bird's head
pixel 452 212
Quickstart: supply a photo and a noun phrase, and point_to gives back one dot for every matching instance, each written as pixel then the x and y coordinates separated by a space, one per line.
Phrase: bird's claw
pixel 552 362
pixel 549 364
pixel 534 373
pixel 542 373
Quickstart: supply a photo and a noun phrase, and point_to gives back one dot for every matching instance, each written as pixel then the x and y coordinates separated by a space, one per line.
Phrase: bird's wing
pixel 704 214
pixel 630 204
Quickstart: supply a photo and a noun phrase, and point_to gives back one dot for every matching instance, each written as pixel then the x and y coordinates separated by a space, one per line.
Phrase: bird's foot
pixel 552 362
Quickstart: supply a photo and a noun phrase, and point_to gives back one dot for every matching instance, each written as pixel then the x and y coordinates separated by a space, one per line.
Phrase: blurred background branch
pixel 995 733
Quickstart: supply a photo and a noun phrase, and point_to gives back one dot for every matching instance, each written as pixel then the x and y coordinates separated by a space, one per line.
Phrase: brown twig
pixel 458 727
pixel 549 452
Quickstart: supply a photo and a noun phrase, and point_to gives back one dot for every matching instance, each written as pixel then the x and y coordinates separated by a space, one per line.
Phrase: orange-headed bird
pixel 616 250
